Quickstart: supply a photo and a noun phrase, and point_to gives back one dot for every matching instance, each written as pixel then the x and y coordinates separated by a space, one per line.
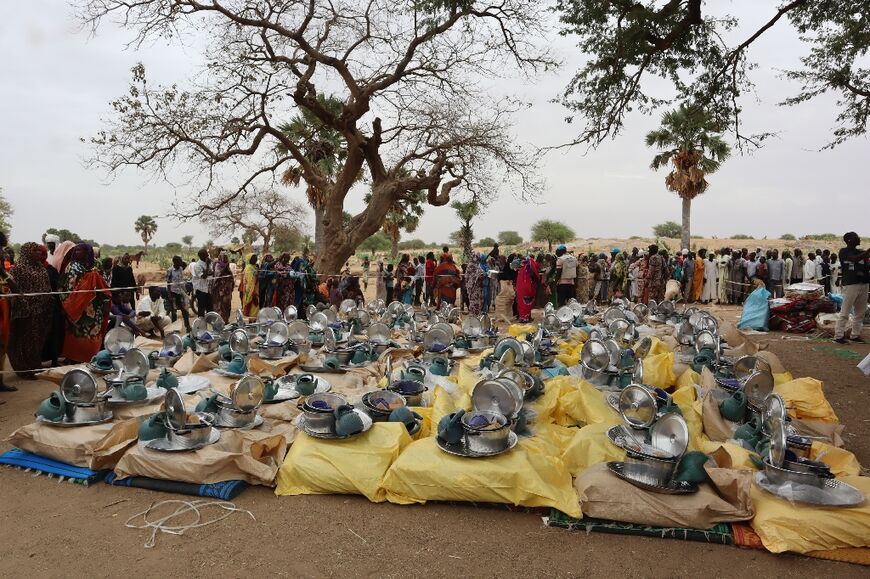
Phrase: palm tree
pixel 323 146
pixel 146 227
pixel 690 139
pixel 466 211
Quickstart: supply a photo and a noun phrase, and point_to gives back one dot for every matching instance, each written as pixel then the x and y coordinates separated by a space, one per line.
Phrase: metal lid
pixel 298 331
pixel 447 328
pixel 671 434
pixel 395 309
pixel 706 339
pixel 378 333
pixel 611 314
pixel 516 390
pixel 774 408
pixel 595 355
pixel 329 339
pixel 331 316
pixel 290 314
pixel 757 387
pixel 745 365
pixel 591 306
pixel 239 342
pixel 552 324
pixel 565 314
pixel 576 307
pixel 118 340
pixel 495 396
pixel 215 321
pixel 485 323
pixel 472 327
pixel 136 363
pixel 318 322
pixel 311 310
pixel 79 387
pixel 708 322
pixel 347 307
pixel 614 350
pixel 641 311
pixel 173 345
pixel 667 308
pixel 436 340
pixel 619 329
pixel 637 405
pixel 176 413
pixel 453 315
pixel 269 315
pixel 277 334
pixel 778 441
pixel 198 327
pixel 240 318
pixel 364 317
pixel 643 347
pixel 511 344
pixel 637 376
pixel 528 353
pixel 247 395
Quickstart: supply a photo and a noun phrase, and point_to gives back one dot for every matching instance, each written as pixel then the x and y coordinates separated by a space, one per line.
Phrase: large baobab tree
pixel 410 75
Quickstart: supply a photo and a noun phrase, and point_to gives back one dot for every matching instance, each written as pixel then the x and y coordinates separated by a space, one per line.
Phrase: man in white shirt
pixel 151 314
pixel 810 269
pixel 200 271
pixel 566 275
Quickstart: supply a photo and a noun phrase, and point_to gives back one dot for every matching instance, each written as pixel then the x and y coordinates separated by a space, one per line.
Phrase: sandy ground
pixel 51 530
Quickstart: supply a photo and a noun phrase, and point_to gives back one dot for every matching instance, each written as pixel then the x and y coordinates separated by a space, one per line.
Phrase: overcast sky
pixel 57 82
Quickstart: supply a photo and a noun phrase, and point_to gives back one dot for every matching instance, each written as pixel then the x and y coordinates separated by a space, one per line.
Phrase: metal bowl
pixel 654 470
pixel 319 410
pixel 273 352
pixel 485 432
pixel 82 412
pixel 380 403
pixel 194 432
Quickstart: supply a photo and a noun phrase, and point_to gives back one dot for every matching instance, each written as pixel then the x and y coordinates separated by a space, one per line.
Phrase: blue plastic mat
pixel 225 491
pixel 27 461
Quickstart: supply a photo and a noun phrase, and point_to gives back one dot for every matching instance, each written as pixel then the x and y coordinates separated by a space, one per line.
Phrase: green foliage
pixel 287 239
pixel 668 229
pixel 634 50
pixel 486 242
pixel 377 242
pixel 787 237
pixel 824 237
pixel 6 212
pixel 174 247
pixel 235 240
pixel 146 227
pixel 413 244
pixel 741 236
pixel 509 238
pixel 551 232
pixel 689 129
pixel 187 240
pixel 466 211
pixel 635 237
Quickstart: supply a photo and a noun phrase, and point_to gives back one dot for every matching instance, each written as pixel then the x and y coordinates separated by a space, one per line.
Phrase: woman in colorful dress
pixel 474 277
pixel 528 280
pixel 267 282
pixel 222 287
pixel 249 288
pixel 618 275
pixel 284 285
pixel 31 315
pixel 7 286
pixel 86 301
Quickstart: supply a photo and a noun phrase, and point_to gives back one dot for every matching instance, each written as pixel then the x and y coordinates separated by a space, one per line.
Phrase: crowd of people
pixel 59 299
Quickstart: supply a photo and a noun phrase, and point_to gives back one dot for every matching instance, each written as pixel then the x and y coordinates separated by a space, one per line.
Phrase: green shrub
pixel 787 237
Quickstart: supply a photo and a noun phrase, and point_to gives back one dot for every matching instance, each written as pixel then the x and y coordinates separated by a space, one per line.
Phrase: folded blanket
pixel 225 491
pixel 28 461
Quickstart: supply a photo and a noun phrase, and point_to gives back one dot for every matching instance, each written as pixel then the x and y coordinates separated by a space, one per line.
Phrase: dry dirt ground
pixel 49 529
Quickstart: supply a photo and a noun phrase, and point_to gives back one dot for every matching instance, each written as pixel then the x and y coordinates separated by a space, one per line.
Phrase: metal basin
pixel 656 471
pixel 82 412
pixel 411 391
pixel 380 403
pixel 193 433
pixel 319 410
pixel 486 432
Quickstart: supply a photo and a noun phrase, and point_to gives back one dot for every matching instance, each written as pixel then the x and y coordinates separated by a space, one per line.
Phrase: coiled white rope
pixel 163 524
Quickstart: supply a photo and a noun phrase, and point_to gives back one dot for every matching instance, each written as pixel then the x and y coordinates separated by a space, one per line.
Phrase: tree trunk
pixel 267 239
pixel 549 246
pixel 687 210
pixel 394 247
pixel 318 231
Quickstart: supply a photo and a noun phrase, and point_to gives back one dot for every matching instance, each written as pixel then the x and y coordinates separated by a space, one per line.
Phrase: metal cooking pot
pixel 380 403
pixel 486 432
pixel 319 410
pixel 411 391
pixel 229 415
pixel 344 356
pixel 193 433
pixel 656 471
pixel 271 351
pixel 81 412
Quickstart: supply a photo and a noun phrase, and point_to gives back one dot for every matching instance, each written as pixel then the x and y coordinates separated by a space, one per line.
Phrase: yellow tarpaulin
pixel 354 466
pixel 524 476
pixel 805 398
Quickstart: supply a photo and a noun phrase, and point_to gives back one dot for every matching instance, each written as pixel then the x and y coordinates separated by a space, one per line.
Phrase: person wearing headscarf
pixel 581 288
pixel 54 341
pixel 51 242
pixel 723 264
pixel 284 282
pixel 657 274
pixel 474 277
pixel 634 278
pixel 267 281
pixel 486 263
pixel 222 286
pixel 30 314
pixel 7 286
pixel 85 300
pixel 699 273
pixel 618 274
pixel 122 275
pixel 57 258
pixel 310 282
pixel 528 280
pixel 249 288
pixel 447 281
